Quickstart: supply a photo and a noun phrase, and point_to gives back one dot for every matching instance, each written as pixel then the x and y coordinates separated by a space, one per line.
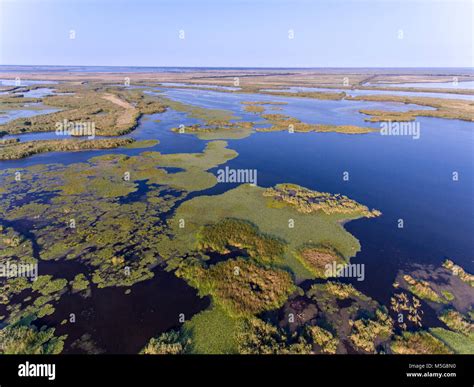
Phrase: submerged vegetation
pixel 87 212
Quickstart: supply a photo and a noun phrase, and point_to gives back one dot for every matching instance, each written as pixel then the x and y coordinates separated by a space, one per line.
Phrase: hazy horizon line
pixel 241 67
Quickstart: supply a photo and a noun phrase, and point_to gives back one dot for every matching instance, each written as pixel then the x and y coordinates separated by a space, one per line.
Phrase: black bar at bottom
pixel 317 370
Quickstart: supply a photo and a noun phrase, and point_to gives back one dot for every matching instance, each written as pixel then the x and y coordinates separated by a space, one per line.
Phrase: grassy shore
pixel 443 108
pixel 20 150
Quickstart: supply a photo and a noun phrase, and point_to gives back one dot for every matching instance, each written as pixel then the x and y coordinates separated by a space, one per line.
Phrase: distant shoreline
pixel 160 69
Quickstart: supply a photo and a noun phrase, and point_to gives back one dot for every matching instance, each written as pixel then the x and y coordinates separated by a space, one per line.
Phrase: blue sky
pixel 336 33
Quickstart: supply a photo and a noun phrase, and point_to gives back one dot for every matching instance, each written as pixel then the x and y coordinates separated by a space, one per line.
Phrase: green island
pixel 280 122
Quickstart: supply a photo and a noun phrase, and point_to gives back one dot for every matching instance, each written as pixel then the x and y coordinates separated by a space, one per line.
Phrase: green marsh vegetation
pixel 351 316
pixel 256 88
pixel 9 141
pixel 88 193
pixel 168 343
pixel 285 223
pixel 307 201
pixel 448 284
pixel 242 235
pixel 458 322
pixel 80 283
pixel 211 117
pixel 422 289
pixel 254 108
pixel 404 306
pixel 81 212
pixel 281 122
pixel 333 96
pixel 16 101
pixel 259 107
pixel 459 272
pixel 261 338
pixel 19 150
pixel 240 287
pixel 456 109
pixel 213 331
pixel 286 234
pixel 324 339
pixel 26 295
pixel 218 124
pixel 95 103
pixel 455 341
pixel 427 286
pixel 448 291
pixel 245 287
pixel 20 339
pixel 142 144
pixel 222 131
pixel 367 333
pixel 316 258
pixel 414 343
pixel 249 334
pixel 115 111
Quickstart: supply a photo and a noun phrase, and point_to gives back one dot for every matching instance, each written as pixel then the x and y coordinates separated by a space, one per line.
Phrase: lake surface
pixel 402 177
